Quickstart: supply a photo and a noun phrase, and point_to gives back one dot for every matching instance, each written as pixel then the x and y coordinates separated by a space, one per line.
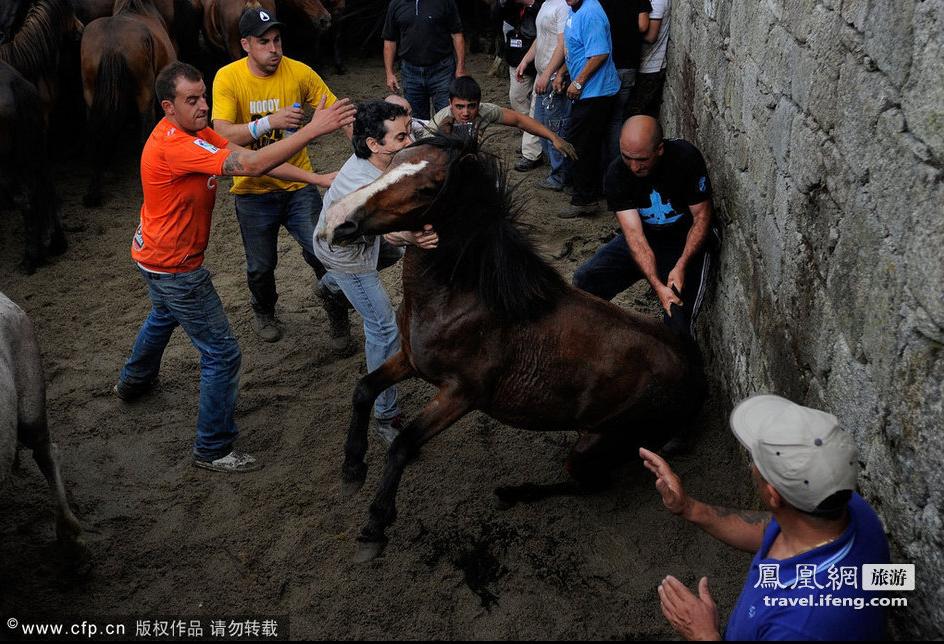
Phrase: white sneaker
pixel 232 462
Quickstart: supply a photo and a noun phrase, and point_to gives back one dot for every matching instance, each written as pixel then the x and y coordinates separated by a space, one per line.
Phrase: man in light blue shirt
pixel 594 83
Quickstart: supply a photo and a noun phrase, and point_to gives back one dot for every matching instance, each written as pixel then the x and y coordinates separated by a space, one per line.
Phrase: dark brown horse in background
pixel 34 35
pixel 121 56
pixel 497 329
pixel 180 16
pixel 220 19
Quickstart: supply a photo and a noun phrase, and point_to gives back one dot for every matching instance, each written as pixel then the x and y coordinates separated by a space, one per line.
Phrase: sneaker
pixel 578 210
pixel 336 306
pixel 550 184
pixel 129 392
pixel 525 165
pixel 266 327
pixel 389 428
pixel 232 462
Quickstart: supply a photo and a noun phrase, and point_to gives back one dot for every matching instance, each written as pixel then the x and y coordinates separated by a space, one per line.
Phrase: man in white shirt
pixel 647 94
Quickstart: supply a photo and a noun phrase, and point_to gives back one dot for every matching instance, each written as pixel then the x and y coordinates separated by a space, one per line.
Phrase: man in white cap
pixel 805 580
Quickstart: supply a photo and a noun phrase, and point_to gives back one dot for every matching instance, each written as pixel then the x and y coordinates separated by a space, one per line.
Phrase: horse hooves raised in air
pixel 368 551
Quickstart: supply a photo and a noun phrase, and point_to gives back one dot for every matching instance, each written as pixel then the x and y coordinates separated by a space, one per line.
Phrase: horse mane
pixel 483 247
pixel 34 49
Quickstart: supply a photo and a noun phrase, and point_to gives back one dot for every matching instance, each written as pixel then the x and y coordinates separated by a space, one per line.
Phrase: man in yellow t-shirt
pixel 258 100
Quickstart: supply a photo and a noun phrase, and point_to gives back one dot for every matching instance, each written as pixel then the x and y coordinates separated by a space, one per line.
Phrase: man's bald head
pixel 641 144
pixel 396 99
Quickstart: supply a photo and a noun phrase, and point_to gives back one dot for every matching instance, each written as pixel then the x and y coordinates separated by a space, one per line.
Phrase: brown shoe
pixel 582 210
pixel 336 306
pixel 266 327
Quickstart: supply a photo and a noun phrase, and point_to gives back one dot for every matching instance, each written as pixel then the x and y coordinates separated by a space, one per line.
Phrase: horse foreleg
pixel 448 406
pixel 396 369
pixel 587 465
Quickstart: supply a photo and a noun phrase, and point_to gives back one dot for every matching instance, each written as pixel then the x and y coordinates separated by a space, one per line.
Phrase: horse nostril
pixel 345 230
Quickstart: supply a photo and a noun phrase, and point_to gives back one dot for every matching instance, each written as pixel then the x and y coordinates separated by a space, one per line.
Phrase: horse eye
pixel 428 190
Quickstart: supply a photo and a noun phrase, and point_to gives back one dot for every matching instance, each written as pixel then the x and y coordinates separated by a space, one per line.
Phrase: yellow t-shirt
pixel 239 96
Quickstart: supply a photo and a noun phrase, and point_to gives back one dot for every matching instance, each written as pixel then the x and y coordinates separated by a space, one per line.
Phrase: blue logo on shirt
pixel 655 214
pixel 702 184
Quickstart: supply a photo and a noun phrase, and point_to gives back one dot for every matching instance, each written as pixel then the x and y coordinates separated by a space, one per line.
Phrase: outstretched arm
pixel 739 529
pixel 528 124
pixel 255 163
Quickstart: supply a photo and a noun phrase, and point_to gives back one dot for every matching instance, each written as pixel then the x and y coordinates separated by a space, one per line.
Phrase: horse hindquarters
pixel 108 102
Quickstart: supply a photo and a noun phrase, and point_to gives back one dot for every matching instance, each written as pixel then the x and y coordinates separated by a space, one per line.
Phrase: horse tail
pixel 106 116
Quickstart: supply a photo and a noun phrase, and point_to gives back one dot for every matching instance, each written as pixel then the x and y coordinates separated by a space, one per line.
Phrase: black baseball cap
pixel 255 22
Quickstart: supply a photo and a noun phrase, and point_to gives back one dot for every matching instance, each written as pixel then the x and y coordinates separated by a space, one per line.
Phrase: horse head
pixel 402 198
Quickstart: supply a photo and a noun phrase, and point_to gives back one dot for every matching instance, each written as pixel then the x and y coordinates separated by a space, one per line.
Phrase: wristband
pixel 259 127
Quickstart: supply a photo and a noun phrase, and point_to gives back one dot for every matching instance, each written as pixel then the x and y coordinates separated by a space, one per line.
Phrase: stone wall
pixel 823 126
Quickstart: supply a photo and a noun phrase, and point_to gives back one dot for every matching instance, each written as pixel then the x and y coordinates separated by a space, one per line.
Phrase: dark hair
pixel 370 122
pixel 466 88
pixel 165 86
pixel 832 507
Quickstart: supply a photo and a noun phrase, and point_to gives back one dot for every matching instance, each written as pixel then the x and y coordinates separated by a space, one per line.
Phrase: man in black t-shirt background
pixel 629 20
pixel 427 35
pixel 661 195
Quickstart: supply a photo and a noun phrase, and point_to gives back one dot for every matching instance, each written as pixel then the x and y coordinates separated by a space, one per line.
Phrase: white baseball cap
pixel 800 451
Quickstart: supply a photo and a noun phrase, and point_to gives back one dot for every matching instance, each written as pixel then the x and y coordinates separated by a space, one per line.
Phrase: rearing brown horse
pixel 497 329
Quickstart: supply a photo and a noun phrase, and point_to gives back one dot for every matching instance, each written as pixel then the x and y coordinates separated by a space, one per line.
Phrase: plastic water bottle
pixel 292 130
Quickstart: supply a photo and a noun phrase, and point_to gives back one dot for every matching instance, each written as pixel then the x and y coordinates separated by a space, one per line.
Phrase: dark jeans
pixel 589 119
pixel 189 300
pixel 647 95
pixel 620 101
pixel 260 217
pixel 612 270
pixel 424 83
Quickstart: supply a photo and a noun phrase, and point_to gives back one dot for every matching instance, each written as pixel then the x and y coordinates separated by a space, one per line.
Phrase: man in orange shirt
pixel 179 165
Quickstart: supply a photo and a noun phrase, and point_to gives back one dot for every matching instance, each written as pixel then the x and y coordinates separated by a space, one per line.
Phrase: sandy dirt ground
pixel 167 539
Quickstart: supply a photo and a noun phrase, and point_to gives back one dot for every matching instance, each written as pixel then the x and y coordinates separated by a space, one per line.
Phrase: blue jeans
pixel 611 149
pixel 260 217
pixel 381 336
pixel 553 111
pixel 420 84
pixel 189 300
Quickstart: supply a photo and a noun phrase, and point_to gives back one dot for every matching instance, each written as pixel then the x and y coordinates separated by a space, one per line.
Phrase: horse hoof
pixel 504 500
pixel 350 488
pixel 367 551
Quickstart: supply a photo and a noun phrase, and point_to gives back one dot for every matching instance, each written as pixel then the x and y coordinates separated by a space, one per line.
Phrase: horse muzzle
pixel 345 231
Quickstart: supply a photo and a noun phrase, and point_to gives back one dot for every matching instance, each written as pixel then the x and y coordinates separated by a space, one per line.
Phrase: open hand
pixel 668 484
pixel 392 83
pixel 564 148
pixel 329 119
pixel 694 618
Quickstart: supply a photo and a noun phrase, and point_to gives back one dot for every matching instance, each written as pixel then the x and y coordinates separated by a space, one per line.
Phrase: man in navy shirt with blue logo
pixel 660 192
pixel 806 578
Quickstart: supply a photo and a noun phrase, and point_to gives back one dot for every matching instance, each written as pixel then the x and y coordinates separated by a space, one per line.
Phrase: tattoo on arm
pixel 233 166
pixel 747 516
